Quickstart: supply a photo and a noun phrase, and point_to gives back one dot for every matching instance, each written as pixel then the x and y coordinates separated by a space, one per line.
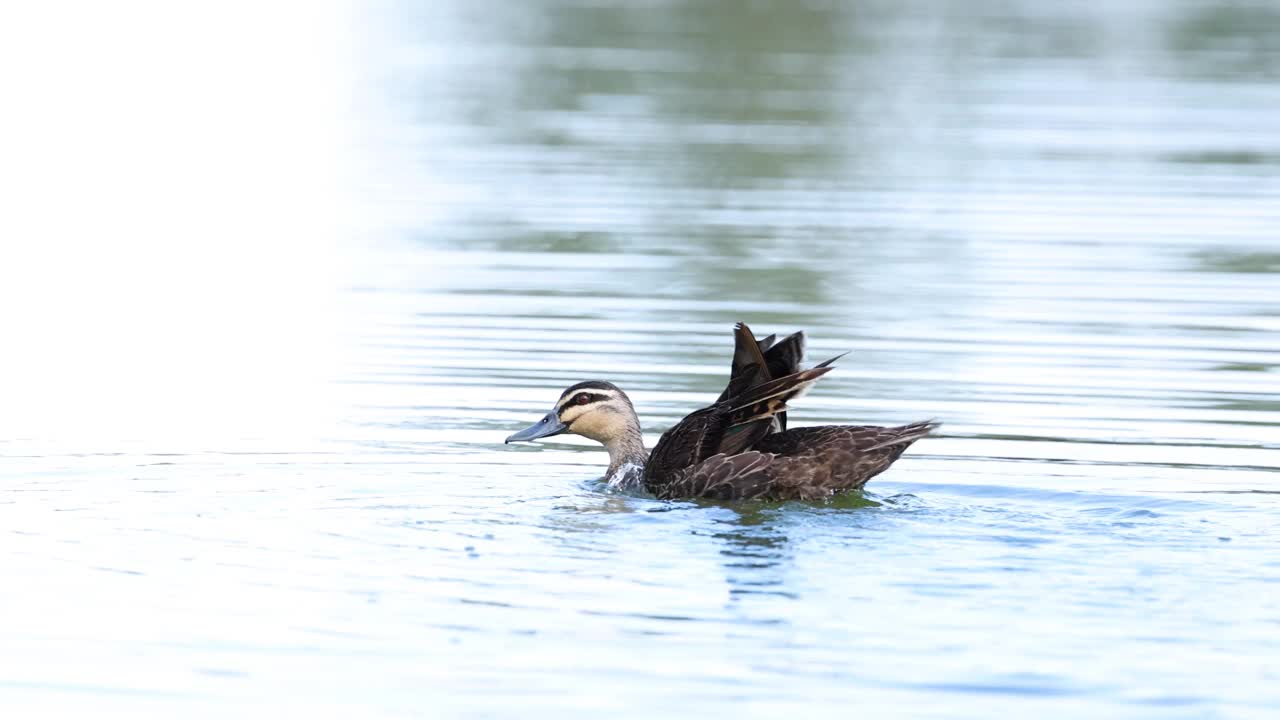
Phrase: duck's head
pixel 594 409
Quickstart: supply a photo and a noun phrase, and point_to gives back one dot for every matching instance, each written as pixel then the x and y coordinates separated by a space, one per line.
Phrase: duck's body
pixel 738 448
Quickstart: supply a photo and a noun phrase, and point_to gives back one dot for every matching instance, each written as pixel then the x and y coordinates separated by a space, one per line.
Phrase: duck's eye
pixel 582 399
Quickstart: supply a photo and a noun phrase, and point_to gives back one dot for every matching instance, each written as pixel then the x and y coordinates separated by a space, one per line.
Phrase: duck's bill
pixel 546 427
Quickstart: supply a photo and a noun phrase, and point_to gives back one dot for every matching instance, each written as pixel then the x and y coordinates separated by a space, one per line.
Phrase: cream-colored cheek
pixel 570 415
pixel 599 426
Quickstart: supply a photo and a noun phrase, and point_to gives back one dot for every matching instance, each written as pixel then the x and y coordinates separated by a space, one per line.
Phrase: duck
pixel 739 447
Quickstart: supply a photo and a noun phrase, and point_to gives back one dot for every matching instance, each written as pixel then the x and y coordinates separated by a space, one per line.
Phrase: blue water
pixel 267 332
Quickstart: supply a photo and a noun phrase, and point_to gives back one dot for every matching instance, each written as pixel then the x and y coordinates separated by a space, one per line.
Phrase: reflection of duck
pixel 738 448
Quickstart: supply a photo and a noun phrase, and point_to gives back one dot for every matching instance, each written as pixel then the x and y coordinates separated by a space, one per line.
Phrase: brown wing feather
pixel 723 477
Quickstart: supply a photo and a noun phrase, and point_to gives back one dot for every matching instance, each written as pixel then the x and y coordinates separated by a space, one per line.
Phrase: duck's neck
pixel 626 458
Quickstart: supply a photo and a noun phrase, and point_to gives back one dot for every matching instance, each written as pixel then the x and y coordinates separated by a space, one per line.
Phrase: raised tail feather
pixel 751 415
pixel 828 362
pixel 768 399
pixel 769 360
pixel 749 367
pixel 783 357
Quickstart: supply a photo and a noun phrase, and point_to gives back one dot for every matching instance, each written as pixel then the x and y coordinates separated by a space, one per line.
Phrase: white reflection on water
pixel 172 212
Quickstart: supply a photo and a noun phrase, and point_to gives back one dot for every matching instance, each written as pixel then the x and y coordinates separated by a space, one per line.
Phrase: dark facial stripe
pixel 574 400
